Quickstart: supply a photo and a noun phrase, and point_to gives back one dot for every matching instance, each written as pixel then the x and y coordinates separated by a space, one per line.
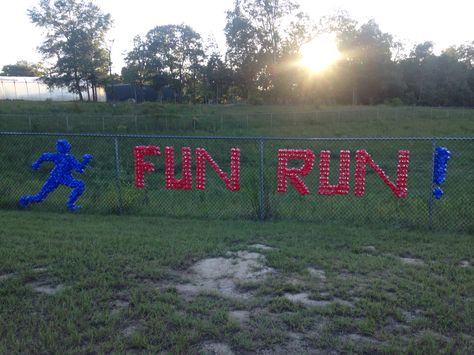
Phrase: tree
pixel 137 71
pixel 217 75
pixel 75 39
pixel 169 55
pixel 443 80
pixel 417 70
pixel 256 33
pixel 22 68
pixel 366 73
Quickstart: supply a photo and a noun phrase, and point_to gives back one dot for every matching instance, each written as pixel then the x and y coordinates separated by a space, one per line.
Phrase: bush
pixel 396 101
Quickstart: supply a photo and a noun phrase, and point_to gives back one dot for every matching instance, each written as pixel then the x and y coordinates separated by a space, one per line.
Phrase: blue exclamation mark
pixel 442 155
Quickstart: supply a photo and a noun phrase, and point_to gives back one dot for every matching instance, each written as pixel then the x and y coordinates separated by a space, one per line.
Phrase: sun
pixel 319 53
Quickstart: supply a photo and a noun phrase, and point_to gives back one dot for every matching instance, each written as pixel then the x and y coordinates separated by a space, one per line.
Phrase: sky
pixel 411 21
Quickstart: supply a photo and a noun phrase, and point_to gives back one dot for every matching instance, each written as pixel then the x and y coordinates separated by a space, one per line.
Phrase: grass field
pixel 188 272
pixel 101 284
pixel 275 120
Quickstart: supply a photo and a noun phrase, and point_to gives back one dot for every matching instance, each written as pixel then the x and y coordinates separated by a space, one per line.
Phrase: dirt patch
pixel 46 287
pixel 223 275
pixel 369 249
pixel 117 306
pixel 296 343
pixel 241 317
pixel 395 327
pixel 39 269
pixel 356 338
pixel 262 247
pixel 216 349
pixel 132 328
pixel 346 275
pixel 303 298
pixel 4 277
pixel 468 338
pixel 319 273
pixel 412 315
pixel 43 283
pixel 432 334
pixel 412 261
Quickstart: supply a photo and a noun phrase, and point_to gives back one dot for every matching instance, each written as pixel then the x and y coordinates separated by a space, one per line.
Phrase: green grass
pixel 265 120
pixel 100 260
pixel 108 194
pixel 120 273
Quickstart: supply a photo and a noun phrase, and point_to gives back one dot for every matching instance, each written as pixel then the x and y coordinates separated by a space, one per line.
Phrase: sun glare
pixel 319 53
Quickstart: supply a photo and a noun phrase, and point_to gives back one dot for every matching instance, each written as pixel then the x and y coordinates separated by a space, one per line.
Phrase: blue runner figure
pixel 60 175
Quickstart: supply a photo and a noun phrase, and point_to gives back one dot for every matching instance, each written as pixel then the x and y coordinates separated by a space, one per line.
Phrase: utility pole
pixel 111 43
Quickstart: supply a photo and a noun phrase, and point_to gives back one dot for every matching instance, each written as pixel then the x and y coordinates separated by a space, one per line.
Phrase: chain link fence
pixel 110 177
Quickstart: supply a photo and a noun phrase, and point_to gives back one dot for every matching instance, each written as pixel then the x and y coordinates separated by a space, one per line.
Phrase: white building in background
pixel 33 89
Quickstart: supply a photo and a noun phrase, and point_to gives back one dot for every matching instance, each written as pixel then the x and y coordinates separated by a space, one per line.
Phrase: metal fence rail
pixel 110 179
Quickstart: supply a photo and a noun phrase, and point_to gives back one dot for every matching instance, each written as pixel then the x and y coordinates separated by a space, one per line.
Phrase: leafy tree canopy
pixel 22 68
pixel 75 32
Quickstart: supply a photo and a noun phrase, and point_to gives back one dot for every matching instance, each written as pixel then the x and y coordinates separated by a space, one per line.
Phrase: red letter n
pixel 141 166
pixel 232 183
pixel 292 173
pixel 399 188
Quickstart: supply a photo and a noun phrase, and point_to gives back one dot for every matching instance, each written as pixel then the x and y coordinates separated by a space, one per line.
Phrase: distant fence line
pixel 107 122
pixel 110 179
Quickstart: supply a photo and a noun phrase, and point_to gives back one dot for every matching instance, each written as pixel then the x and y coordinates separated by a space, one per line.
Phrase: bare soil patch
pixel 223 275
pixel 369 249
pixel 241 317
pixel 303 298
pixel 132 328
pixel 319 273
pixel 412 315
pixel 43 284
pixel 216 349
pixel 4 277
pixel 412 261
pixel 262 247
pixel 118 306
pixel 357 338
pixel 46 287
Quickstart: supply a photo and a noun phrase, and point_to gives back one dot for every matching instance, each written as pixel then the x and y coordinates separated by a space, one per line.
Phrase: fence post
pixel 103 124
pixel 29 123
pixel 136 123
pixel 117 172
pixel 262 181
pixel 67 123
pixel 430 199
pixel 271 120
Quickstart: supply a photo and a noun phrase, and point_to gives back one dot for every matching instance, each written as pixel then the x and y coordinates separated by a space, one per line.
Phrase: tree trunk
pixel 94 92
pixel 88 93
pixel 78 86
